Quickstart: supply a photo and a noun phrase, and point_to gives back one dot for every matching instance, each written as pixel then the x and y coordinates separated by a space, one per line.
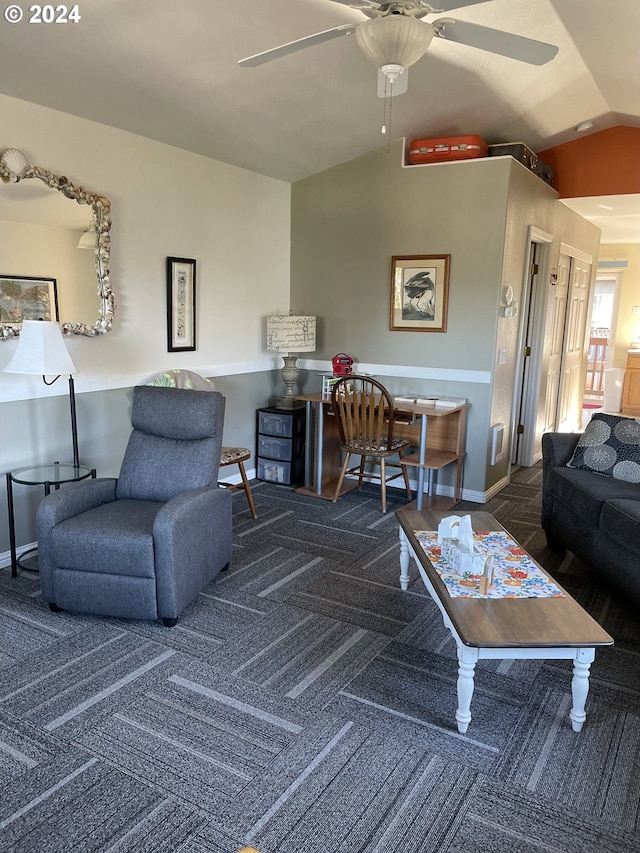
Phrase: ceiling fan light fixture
pixel 392 71
pixel 394 39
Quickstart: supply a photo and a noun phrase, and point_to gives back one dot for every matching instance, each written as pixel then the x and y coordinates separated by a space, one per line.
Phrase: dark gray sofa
pixel 593 515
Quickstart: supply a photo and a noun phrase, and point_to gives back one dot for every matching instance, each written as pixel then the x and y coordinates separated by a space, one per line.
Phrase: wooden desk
pixel 437 432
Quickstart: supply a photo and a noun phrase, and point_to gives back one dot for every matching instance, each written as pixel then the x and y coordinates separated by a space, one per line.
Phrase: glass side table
pixel 39 475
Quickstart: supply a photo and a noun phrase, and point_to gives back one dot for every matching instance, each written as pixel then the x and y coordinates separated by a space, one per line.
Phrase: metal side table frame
pixel 39 475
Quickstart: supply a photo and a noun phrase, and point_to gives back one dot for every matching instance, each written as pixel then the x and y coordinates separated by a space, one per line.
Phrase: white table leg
pixel 467 658
pixel 404 561
pixel 580 686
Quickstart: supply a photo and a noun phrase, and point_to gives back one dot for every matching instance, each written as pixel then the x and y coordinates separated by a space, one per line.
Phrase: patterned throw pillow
pixel 610 445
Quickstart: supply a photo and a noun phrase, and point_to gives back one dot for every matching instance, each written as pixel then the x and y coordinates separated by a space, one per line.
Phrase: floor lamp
pixel 42 351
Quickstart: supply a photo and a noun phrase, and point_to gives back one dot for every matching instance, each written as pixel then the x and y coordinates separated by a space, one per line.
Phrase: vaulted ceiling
pixel 168 70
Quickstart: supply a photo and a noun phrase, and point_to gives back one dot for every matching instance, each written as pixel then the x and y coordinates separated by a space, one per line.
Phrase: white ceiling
pixel 168 70
pixel 617 216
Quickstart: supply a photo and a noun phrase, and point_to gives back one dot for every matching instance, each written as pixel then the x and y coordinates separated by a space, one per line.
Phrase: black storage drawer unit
pixel 280 445
pixel 287 449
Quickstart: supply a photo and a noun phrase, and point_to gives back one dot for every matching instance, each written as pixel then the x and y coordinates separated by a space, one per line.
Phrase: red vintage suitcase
pixel 524 155
pixel 448 148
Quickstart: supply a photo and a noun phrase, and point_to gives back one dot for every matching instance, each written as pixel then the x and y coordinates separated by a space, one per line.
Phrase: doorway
pixel 601 334
pixel 549 384
pixel 531 339
pixel 520 447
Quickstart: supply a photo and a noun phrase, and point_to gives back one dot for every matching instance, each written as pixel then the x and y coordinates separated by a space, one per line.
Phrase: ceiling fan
pixel 394 37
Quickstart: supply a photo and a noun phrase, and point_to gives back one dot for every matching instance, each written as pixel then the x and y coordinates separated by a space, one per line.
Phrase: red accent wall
pixel 603 163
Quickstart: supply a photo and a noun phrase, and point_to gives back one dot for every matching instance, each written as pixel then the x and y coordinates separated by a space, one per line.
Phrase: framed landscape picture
pixel 419 293
pixel 27 298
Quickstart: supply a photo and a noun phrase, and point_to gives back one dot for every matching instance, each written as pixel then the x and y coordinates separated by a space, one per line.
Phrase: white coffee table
pixel 489 628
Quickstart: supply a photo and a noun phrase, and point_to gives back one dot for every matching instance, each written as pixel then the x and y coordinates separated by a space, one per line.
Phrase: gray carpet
pixel 305 704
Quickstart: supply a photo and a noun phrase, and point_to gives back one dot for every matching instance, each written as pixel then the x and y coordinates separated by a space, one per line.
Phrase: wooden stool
pixel 238 456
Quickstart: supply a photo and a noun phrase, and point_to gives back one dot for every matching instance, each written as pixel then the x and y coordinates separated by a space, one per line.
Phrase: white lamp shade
pixel 394 39
pixel 88 239
pixel 286 333
pixel 41 350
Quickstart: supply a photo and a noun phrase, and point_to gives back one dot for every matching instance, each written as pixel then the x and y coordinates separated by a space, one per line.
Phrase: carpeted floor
pixel 304 704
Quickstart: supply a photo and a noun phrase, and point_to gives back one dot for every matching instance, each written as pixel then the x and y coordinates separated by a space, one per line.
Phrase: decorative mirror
pixel 94 230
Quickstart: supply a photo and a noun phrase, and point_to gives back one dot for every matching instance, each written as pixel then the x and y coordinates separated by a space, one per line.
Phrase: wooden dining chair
pixel 365 414
pixel 229 455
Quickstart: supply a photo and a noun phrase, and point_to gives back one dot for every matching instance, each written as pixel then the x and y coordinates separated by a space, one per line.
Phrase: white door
pixel 569 413
pixel 556 317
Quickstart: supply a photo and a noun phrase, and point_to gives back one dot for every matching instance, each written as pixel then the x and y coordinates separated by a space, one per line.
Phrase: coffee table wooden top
pixel 504 622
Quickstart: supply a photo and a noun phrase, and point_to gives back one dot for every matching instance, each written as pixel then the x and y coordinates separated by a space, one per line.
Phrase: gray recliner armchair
pixel 144 545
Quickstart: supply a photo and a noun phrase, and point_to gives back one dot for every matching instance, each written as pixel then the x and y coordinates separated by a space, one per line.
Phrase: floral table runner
pixel 515 574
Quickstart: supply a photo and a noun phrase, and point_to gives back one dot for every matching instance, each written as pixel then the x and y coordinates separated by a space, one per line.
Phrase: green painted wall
pixel 348 222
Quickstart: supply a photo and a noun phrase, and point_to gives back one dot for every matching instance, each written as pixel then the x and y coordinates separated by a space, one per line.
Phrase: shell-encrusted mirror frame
pixel 15 167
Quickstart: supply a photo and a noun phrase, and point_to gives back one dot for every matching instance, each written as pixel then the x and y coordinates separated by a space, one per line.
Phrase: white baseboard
pixel 467 494
pixel 234 479
pixel 5 556
pixel 497 487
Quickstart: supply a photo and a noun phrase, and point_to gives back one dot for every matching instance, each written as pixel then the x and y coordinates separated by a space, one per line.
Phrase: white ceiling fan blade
pixel 448 5
pixel 364 4
pixel 298 44
pixel 495 41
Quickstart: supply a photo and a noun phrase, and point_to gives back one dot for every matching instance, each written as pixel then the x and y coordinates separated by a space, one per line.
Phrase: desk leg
pixel 319 447
pixel 422 458
pixel 308 474
pixel 404 560
pixel 12 528
pixel 467 658
pixel 580 686
pixel 457 488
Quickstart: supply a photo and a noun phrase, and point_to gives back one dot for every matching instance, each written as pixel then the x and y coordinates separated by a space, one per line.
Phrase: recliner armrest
pixel 193 529
pixel 558 447
pixel 67 502
pixel 75 498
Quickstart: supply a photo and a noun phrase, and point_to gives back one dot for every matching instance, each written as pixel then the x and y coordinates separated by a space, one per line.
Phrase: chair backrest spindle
pixel 365 413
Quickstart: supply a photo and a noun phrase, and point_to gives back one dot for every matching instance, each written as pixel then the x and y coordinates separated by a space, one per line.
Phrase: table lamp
pixel 290 334
pixel 42 350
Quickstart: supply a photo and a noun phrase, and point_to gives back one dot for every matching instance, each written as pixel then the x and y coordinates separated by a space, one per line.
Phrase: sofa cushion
pixel 610 445
pixel 584 492
pixel 620 519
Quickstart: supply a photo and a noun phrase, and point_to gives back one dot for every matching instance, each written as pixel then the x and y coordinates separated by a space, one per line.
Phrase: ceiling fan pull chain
pixel 390 108
pixel 384 105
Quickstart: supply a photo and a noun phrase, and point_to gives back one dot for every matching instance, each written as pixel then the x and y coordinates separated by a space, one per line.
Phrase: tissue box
pixel 461 560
